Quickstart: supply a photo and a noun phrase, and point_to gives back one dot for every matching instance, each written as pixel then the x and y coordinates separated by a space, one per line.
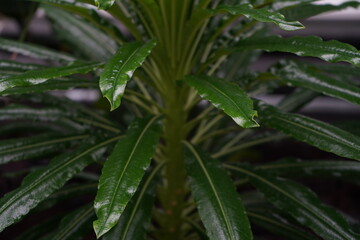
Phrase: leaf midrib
pixel 125 168
pixel 213 189
pixel 39 180
pixel 325 222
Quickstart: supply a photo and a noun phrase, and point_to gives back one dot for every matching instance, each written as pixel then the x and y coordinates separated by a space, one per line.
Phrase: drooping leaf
pixel 135 219
pixel 120 68
pixel 226 96
pixel 81 35
pixel 279 226
pixel 51 85
pixel 301 203
pixel 35 51
pixel 331 51
pixel 302 75
pixel 74 225
pixel 42 75
pixel 316 133
pixel 35 146
pixel 104 4
pixel 261 14
pixel 306 10
pixel 123 171
pixel 219 205
pixel 39 184
pixel 344 170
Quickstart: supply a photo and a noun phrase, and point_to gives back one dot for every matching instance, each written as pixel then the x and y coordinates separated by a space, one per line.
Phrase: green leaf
pixel 51 85
pixel 305 10
pixel 104 4
pixel 39 184
pixel 81 35
pixel 226 96
pixel 301 203
pixel 331 51
pixel 42 75
pixel 35 51
pixel 16 67
pixel 261 14
pixel 123 171
pixel 344 170
pixel 219 205
pixel 134 221
pixel 316 133
pixel 120 68
pixel 40 230
pixel 279 226
pixel 302 75
pixel 35 146
pixel 74 225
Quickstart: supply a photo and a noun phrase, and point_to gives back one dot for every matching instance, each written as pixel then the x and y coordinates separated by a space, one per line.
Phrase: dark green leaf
pixel 74 225
pixel 319 134
pixel 39 184
pixel 226 96
pixel 279 226
pixel 42 75
pixel 50 85
pixel 305 10
pixel 261 14
pixel 345 170
pixel 40 230
pixel 35 146
pixel 301 203
pixel 302 75
pixel 120 68
pixel 123 172
pixel 219 205
pixel 331 51
pixel 135 219
pixel 82 36
pixel 35 51
pixel 104 4
pixel 16 67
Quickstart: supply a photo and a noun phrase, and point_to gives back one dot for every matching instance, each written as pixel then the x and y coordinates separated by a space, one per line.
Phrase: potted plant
pixel 170 160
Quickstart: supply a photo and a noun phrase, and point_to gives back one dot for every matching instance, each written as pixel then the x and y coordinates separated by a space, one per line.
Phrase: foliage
pixel 178 74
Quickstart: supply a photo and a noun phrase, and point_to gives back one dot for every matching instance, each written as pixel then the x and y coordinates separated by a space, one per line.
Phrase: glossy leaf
pixel 279 226
pixel 306 10
pixel 123 171
pixel 39 184
pixel 51 85
pixel 104 4
pixel 260 14
pixel 301 203
pixel 83 37
pixel 35 146
pixel 135 220
pixel 316 133
pixel 302 75
pixel 74 225
pixel 120 68
pixel 42 75
pixel 35 51
pixel 226 96
pixel 219 205
pixel 345 170
pixel 331 51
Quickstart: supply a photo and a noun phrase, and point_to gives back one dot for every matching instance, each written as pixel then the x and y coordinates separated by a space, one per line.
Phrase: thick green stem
pixel 174 189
